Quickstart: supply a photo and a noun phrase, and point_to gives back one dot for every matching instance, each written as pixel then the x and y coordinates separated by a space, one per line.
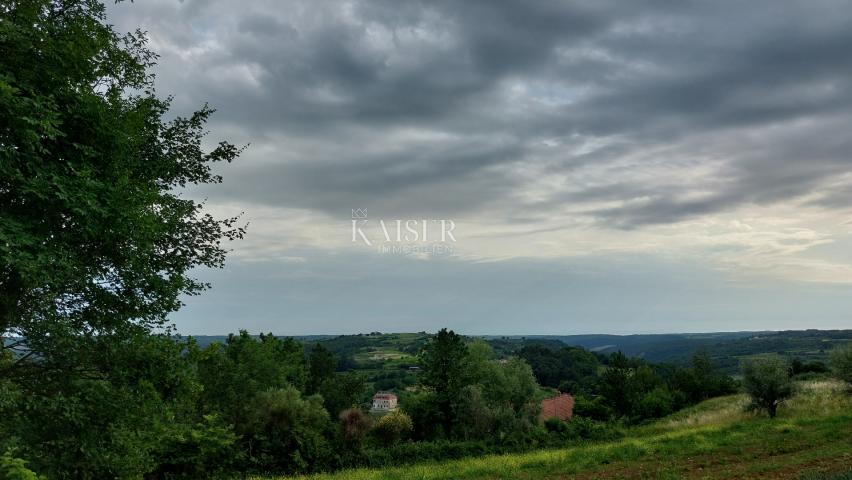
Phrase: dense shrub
pixel 594 408
pixel 841 363
pixel 206 449
pixel 286 432
pixel 583 429
pixel 657 403
pixel 390 428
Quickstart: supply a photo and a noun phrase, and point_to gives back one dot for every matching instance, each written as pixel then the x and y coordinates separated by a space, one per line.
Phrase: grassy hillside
pixel 811 439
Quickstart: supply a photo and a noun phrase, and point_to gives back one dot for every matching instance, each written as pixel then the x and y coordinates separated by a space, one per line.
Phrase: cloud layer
pixel 712 132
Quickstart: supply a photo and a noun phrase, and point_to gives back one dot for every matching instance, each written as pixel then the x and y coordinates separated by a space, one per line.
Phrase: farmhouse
pixel 561 406
pixel 383 402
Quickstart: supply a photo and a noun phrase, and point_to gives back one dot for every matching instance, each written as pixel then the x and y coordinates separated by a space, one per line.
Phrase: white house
pixel 384 402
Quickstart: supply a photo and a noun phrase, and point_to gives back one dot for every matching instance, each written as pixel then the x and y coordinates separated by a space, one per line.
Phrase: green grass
pixel 381 354
pixel 810 439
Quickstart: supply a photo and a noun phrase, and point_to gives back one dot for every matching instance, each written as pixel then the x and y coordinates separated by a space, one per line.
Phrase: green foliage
pixel 321 367
pixel 595 408
pixel 507 382
pixel 342 391
pixel 701 380
pixel 841 363
pixel 205 449
pixel 106 422
pixel 12 468
pixel 767 381
pixel 288 432
pixel 425 413
pixel 827 476
pixel 799 367
pixel 656 403
pixel 615 383
pixel 391 427
pixel 234 373
pixel 570 369
pixel 95 244
pixel 94 239
pixel 580 428
pixel 442 362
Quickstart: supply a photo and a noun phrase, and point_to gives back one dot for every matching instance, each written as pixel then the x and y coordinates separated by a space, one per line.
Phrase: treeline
pixel 615 387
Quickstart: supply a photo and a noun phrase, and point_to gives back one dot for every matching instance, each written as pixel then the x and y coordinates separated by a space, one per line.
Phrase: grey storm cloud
pixel 329 94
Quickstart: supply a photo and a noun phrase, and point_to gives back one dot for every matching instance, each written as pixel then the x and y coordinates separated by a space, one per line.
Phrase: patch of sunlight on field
pixel 815 398
pixel 713 412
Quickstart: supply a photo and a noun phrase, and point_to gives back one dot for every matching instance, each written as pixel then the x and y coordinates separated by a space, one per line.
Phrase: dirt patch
pixel 784 466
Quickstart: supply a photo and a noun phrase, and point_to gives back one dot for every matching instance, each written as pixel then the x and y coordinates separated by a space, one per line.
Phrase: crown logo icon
pixel 359 213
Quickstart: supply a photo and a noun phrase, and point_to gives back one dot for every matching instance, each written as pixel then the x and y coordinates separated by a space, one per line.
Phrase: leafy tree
pixel 798 367
pixel 287 431
pixel 391 427
pixel 656 403
pixel 342 391
pixel 96 242
pixel 111 422
pixel 614 383
pixel 94 236
pixel 594 408
pixel 767 381
pixel 476 417
pixel 234 373
pixel 321 367
pixel 841 363
pixel 571 369
pixel 12 468
pixel 204 449
pixel 442 362
pixel 511 383
pixel 424 410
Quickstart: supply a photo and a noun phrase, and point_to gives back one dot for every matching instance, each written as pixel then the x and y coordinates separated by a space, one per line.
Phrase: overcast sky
pixel 608 167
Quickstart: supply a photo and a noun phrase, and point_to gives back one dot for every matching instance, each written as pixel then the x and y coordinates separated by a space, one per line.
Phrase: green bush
pixel 12 468
pixel 206 449
pixel 657 403
pixel 593 408
pixel 390 428
pixel 841 363
pixel 287 432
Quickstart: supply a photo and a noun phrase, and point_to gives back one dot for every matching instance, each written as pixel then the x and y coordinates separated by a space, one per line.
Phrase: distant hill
pixel 726 348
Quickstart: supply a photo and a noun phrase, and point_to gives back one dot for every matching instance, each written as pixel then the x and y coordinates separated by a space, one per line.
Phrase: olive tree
pixel 767 381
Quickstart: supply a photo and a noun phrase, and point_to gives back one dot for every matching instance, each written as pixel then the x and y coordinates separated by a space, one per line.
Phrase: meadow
pixel 810 439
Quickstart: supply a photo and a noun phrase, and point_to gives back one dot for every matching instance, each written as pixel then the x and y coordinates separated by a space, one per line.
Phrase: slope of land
pixel 726 348
pixel 811 438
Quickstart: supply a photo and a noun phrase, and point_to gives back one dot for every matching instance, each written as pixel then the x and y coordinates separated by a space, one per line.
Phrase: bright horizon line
pixel 517 335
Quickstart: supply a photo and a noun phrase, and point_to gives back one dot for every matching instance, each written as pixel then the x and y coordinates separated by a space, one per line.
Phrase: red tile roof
pixel 560 406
